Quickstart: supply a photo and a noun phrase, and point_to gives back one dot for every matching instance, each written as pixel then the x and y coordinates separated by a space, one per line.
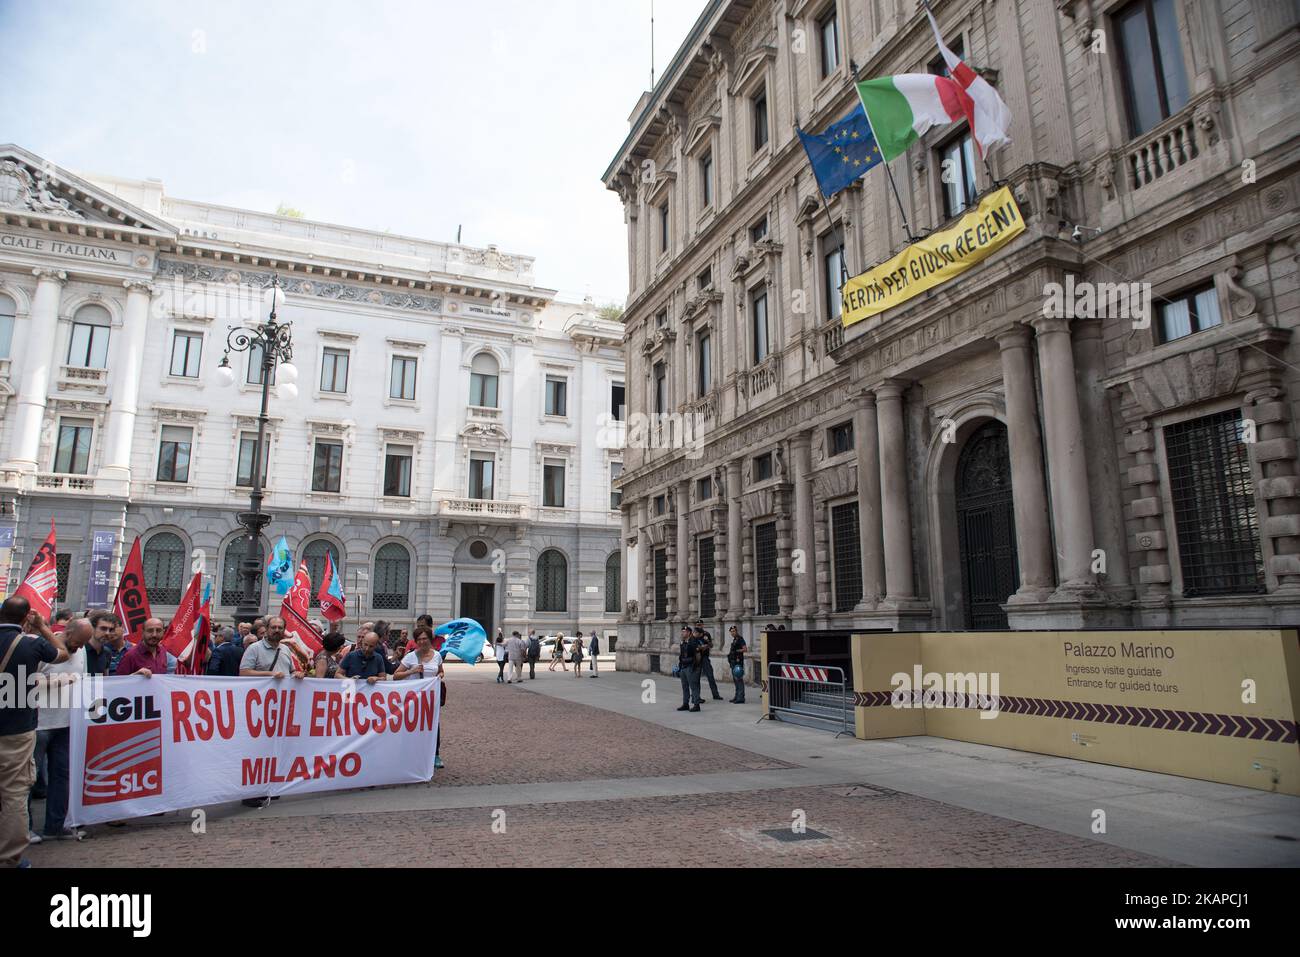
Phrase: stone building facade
pixel 973 458
pixel 442 446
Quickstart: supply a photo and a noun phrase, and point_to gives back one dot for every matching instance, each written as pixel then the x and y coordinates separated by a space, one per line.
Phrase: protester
pixel 53 734
pixel 499 648
pixel 534 653
pixel 688 658
pixel 516 648
pixel 26 642
pixel 108 644
pixel 265 658
pixel 61 619
pixel 334 648
pixel 706 666
pixel 424 662
pixel 736 660
pixel 366 661
pixel 148 658
pixel 227 655
pixel 243 630
pixel 363 629
pixel 593 647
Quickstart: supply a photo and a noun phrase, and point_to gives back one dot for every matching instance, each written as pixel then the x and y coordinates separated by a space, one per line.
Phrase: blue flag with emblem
pixel 842 153
pixel 279 567
pixel 463 638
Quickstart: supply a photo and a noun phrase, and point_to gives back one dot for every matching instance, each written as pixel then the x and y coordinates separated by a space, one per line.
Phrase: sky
pixel 418 117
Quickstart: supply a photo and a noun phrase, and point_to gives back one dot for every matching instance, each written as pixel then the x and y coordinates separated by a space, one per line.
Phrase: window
pixel 232 585
pixel 483 381
pixel 1151 62
pixel 615 493
pixel 255 358
pixel 186 349
pixel 392 578
pixel 174 454
pixel 704 489
pixel 760 120
pixel 661 319
pixel 618 401
pixel 762 345
pixel 758 232
pixel 397 471
pixel 313 557
pixel 840 438
pixel 481 467
pixel 661 504
pixel 706 180
pixel 557 396
pixel 334 371
pixel 939 66
pixel 613 584
pixel 164 568
pixel 708 594
pixel 834 273
pixel 552 581
pixel 763 467
pixel 401 385
pixel 1189 312
pixel 247 451
pixel 704 364
pixel 8 311
pixel 661 388
pixel 847 549
pixel 88 347
pixel 1214 506
pixel 704 280
pixel 828 29
pixel 62 569
pixel 663 228
pixel 661 584
pixel 327 469
pixel 553 484
pixel 957 175
pixel 72 455
pixel 765 581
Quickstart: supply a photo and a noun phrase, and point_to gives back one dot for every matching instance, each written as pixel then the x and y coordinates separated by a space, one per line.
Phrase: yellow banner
pixel 936 259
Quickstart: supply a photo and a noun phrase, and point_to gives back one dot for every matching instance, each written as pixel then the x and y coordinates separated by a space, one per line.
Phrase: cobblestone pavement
pixel 505 735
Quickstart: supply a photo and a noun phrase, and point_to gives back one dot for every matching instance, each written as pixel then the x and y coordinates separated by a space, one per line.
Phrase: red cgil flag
pixel 184 635
pixel 333 603
pixel 131 605
pixel 299 636
pixel 41 583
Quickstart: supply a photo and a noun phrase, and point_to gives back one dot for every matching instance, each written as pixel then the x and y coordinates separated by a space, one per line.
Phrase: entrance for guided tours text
pixel 478 601
pixel 986 528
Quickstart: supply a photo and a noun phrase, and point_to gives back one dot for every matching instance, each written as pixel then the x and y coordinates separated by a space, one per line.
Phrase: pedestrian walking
pixel 499 647
pixel 594 649
pixel 576 655
pixel 534 653
pixel 688 669
pixel 516 648
pixel 736 661
pixel 706 666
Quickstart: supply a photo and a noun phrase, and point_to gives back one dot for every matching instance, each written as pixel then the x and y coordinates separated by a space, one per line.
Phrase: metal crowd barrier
pixel 818 693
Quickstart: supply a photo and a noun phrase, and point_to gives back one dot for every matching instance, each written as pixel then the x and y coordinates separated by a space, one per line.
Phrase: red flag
pixel 299 636
pixel 180 638
pixel 42 581
pixel 333 603
pixel 131 605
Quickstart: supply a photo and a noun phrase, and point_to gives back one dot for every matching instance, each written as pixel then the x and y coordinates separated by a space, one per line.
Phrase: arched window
pixel 552 581
pixel 613 583
pixel 164 569
pixel 483 380
pixel 88 346
pixel 314 556
pixel 392 578
pixel 232 586
pixel 8 310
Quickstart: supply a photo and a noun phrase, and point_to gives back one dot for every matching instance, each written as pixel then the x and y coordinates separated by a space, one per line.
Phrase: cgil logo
pixel 77 910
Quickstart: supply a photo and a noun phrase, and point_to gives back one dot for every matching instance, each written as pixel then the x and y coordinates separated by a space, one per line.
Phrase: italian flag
pixel 903 107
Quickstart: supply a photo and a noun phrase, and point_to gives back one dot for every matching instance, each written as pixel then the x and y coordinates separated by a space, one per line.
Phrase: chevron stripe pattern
pixel 1160 719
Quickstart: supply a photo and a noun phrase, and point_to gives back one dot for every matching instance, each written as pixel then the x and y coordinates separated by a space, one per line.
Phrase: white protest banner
pixel 168 743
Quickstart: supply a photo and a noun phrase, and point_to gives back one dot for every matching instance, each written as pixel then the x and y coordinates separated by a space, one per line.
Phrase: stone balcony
pixel 80 378
pixel 482 510
pixel 58 481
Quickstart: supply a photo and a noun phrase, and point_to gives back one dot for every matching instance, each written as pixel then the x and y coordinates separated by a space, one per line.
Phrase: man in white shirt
pixel 53 734
pixel 516 649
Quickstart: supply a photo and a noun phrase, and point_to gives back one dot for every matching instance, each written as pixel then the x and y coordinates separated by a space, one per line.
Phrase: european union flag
pixel 843 153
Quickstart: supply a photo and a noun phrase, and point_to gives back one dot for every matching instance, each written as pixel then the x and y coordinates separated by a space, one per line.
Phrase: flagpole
pixel 907 227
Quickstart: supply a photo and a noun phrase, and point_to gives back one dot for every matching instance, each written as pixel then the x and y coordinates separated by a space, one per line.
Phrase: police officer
pixel 688 655
pixel 706 666
pixel 736 656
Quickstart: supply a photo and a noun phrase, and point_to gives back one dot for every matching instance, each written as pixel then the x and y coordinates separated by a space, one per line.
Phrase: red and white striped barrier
pixel 804 673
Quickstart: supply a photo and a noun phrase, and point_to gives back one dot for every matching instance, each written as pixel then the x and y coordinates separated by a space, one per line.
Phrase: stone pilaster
pixel 128 358
pixel 870 531
pixel 682 593
pixel 1145 509
pixel 805 577
pixel 1275 453
pixel 38 368
pixel 896 514
pixel 737 567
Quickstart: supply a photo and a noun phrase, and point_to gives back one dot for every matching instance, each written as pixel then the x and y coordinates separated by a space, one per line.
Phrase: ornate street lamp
pixel 275 342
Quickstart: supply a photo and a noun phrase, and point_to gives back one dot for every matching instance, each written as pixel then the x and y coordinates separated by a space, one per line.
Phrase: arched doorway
pixel 986 528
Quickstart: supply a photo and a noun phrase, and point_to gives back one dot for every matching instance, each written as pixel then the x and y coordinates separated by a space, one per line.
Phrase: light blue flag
pixel 464 638
pixel 279 569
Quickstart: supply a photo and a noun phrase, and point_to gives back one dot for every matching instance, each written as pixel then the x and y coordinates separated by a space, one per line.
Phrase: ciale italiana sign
pixel 66 248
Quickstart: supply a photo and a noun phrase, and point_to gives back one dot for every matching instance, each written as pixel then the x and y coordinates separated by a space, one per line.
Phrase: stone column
pixel 684 610
pixel 645 562
pixel 128 357
pixel 625 563
pixel 721 563
pixel 1066 459
pixel 1029 493
pixel 870 531
pixel 39 363
pixel 805 579
pixel 735 539
pixel 896 518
